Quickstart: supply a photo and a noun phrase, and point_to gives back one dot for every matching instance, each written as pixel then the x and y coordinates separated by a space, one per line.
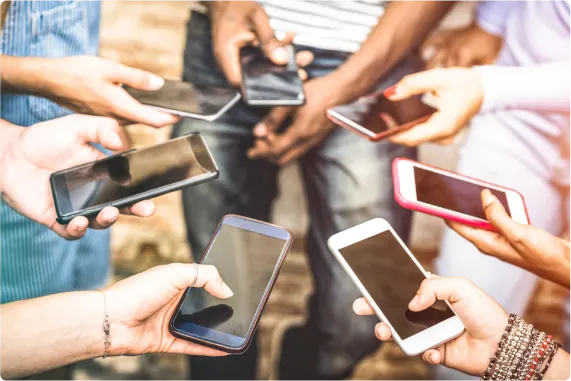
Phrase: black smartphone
pixel 129 177
pixel 187 99
pixel 248 255
pixel 267 84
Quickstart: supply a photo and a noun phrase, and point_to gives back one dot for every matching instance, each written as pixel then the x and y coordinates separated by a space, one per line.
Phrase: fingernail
pixel 81 225
pixel 260 130
pixel 115 140
pixel 226 290
pixel 434 358
pixel 155 82
pixel 280 54
pixel 488 198
pixel 413 301
pixel 391 91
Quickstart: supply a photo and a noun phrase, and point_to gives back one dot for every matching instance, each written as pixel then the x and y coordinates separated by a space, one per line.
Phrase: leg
pixel 244 187
pixel 501 157
pixel 348 181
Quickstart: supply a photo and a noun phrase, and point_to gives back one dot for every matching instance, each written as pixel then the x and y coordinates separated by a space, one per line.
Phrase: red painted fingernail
pixel 389 92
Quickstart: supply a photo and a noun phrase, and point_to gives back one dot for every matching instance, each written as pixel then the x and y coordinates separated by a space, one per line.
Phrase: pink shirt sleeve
pixel 491 15
pixel 543 87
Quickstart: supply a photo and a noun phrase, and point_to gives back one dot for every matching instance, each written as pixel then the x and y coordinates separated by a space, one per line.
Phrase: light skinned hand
pixel 522 245
pixel 458 95
pixel 55 145
pixel 483 318
pixel 92 85
pixel 140 308
pixel 464 47
pixel 236 24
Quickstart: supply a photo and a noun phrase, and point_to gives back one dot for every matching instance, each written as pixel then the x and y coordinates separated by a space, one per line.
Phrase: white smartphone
pixel 189 100
pixel 388 276
pixel 449 195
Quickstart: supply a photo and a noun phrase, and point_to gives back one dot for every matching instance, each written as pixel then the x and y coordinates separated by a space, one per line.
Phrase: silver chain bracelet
pixel 106 326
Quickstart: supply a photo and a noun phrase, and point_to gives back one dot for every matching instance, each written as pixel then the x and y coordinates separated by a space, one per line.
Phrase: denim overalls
pixel 34 260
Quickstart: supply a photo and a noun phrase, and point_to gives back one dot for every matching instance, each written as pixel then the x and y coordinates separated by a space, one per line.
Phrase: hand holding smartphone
pixel 375 117
pixel 248 254
pixel 126 178
pixel 388 276
pixel 450 195
pixel 266 84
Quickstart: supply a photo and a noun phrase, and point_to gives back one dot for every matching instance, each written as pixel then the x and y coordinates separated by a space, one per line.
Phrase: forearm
pixel 540 87
pixel 559 369
pixel 26 75
pixel 49 332
pixel 402 28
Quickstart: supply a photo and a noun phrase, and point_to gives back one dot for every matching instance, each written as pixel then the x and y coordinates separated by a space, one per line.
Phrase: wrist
pixel 120 333
pixel 33 75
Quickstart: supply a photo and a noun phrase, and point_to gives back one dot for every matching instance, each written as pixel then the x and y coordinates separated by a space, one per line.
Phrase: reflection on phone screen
pixel 452 193
pixel 265 81
pixel 132 173
pixel 196 99
pixel 246 261
pixel 392 279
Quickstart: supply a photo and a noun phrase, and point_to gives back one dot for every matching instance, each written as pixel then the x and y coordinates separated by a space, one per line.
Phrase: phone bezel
pixel 59 200
pixel 255 226
pixel 415 344
pixel 405 189
pixel 299 101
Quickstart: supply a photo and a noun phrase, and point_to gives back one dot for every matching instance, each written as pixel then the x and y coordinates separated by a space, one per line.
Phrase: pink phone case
pixel 471 221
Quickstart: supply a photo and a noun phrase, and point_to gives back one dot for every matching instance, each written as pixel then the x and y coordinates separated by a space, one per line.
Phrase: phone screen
pixel 203 100
pixel 452 193
pixel 132 173
pixel 246 260
pixel 391 277
pixel 264 81
pixel 377 114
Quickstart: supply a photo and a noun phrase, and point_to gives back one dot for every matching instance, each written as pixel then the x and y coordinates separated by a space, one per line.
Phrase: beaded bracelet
pixel 523 353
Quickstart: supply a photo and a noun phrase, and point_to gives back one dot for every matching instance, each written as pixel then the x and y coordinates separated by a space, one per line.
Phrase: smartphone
pixel 187 99
pixel 126 178
pixel 388 276
pixel 248 255
pixel 267 84
pixel 450 195
pixel 375 117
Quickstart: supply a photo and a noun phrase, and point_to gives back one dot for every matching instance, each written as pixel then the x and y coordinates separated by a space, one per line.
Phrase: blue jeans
pixel 347 181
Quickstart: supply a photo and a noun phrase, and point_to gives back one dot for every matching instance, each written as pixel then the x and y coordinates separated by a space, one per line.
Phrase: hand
pixel 92 85
pixel 308 128
pixel 483 318
pixel 464 47
pixel 236 24
pixel 458 95
pixel 524 246
pixel 141 306
pixel 46 147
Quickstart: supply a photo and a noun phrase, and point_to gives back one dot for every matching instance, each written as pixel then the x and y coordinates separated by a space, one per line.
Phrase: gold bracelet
pixel 106 326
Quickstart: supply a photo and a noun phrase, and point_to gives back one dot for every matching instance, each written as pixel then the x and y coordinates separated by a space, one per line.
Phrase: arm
pixel 542 87
pixel 491 15
pixel 52 331
pixel 401 29
pixel 10 133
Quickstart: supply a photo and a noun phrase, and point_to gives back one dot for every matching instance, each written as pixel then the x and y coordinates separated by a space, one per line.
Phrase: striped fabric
pixel 333 25
pixel 34 261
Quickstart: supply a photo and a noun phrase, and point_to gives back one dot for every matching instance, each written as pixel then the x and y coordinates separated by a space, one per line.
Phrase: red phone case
pixel 467 220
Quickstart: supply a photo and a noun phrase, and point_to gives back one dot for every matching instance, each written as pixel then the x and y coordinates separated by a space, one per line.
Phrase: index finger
pixel 417 83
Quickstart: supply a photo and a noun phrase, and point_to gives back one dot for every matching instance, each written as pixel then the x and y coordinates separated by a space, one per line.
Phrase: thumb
pixel 273 48
pixel 496 214
pixel 106 131
pixel 272 121
pixel 135 78
pixel 209 278
pixel 434 289
pixel 417 83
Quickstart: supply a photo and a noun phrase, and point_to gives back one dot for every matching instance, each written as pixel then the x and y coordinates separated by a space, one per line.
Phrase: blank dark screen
pixel 452 193
pixel 267 81
pixel 246 261
pixel 392 279
pixel 132 173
